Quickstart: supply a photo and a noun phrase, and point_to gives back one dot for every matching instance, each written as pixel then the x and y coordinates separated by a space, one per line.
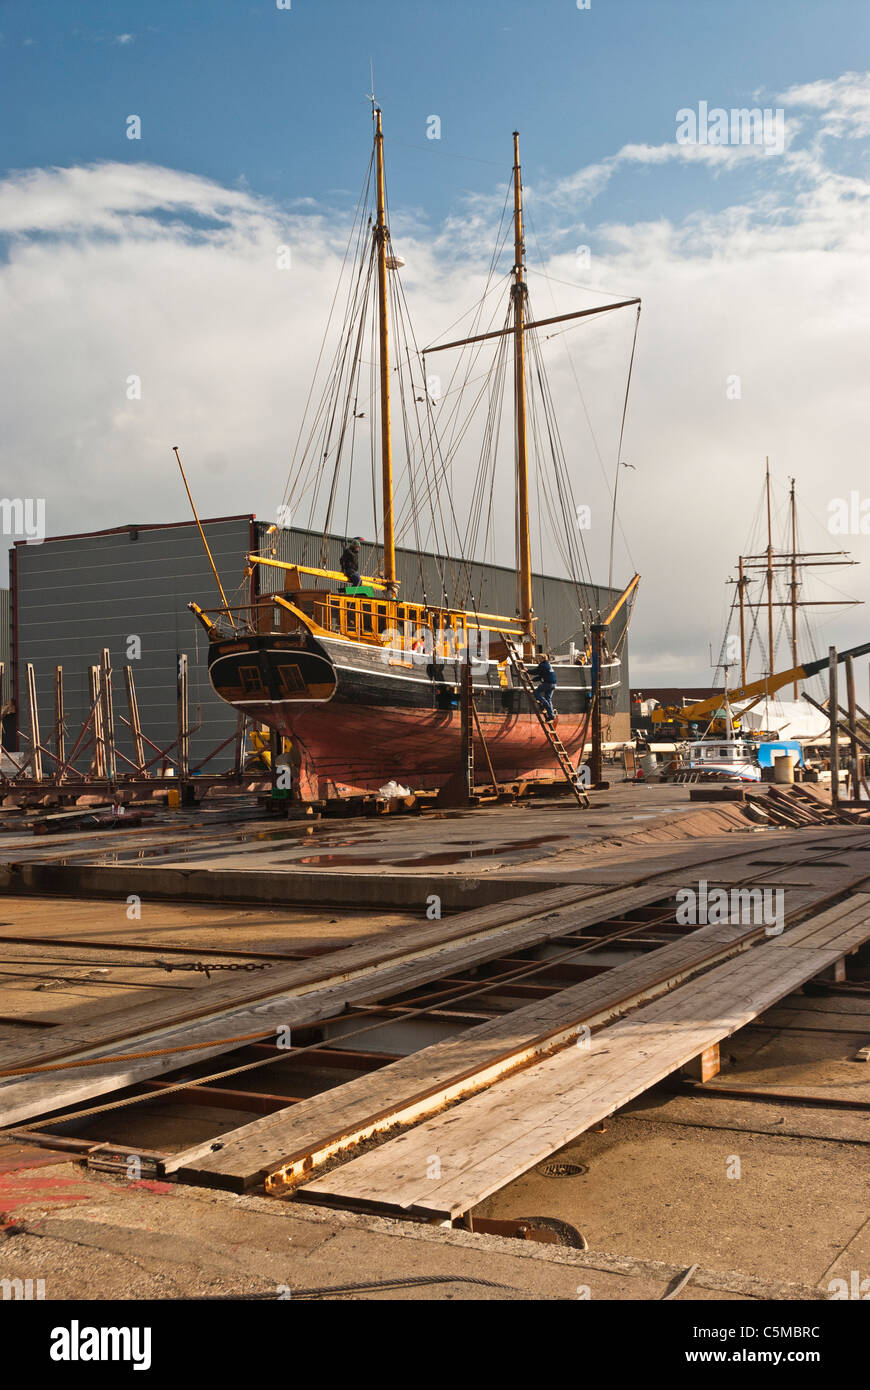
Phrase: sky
pixel 155 258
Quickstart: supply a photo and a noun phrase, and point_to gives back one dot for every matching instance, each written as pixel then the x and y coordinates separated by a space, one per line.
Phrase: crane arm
pixel 688 714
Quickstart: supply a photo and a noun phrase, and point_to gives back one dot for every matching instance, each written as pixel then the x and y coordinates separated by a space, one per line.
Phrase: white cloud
pixel 843 101
pixel 117 198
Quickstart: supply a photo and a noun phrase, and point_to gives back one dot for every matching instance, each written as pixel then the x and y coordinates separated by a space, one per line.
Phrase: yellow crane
pixel 753 691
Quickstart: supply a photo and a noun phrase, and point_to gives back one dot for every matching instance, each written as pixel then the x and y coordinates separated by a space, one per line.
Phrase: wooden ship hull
pixel 360 717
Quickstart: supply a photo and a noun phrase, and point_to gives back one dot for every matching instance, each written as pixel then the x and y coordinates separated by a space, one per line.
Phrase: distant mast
pixel 518 293
pixel 382 236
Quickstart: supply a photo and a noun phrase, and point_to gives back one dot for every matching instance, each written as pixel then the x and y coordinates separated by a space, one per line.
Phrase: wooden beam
pixel 59 726
pixel 538 323
pixel 134 724
pixel 108 714
pixel 33 710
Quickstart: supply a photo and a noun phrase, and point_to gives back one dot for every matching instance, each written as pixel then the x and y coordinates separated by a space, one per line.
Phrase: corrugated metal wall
pixel 78 594
pixel 75 595
pixel 493 587
pixel 5 646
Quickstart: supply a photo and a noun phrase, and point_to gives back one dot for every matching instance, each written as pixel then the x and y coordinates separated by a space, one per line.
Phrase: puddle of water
pixel 426 861
pixel 322 829
pixel 463 850
pixel 210 851
pixel 339 860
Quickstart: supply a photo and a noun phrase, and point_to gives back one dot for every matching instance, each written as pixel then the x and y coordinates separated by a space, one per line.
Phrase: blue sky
pixel 156 257
pixel 233 90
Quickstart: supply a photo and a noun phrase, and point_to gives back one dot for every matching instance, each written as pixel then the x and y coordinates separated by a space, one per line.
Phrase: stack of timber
pixel 790 806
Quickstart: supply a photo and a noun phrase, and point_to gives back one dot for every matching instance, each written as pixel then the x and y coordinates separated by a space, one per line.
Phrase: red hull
pixel 347 749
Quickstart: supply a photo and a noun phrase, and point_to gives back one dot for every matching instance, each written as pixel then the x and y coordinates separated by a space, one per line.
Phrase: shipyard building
pixel 127 589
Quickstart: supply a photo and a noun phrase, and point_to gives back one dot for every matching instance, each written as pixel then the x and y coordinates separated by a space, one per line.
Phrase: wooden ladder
pixel 569 771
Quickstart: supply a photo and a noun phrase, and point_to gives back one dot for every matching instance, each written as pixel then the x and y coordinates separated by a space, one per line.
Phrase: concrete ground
pixel 93 1236
pixel 547 832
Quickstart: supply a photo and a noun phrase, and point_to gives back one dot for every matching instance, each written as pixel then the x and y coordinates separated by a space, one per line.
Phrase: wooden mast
pixel 518 329
pixel 769 569
pixel 518 293
pixel 741 582
pixel 382 236
pixel 794 586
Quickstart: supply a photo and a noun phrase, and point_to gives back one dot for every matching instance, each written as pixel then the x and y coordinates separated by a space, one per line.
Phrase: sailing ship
pixel 744 729
pixel 365 682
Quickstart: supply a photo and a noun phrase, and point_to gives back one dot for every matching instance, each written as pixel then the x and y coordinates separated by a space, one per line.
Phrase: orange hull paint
pixel 346 749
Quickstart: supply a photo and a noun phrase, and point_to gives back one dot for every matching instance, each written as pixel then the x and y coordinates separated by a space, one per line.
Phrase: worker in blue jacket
pixel 546 678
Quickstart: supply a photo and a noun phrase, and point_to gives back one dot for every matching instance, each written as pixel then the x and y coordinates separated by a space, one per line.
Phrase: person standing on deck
pixel 546 678
pixel 350 562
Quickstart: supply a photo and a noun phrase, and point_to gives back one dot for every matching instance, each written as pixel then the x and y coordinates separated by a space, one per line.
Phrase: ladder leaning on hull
pixel 560 751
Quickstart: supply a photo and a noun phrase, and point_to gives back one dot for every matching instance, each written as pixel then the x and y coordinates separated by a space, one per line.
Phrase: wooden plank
pixel 654 1032
pixel 849 929
pixel 417 1084
pixel 486 1141
pixel 28 1097
pixel 809 1021
pixel 322 1125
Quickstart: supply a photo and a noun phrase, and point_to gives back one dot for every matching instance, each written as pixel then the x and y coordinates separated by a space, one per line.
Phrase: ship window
pixel 252 681
pixel 383 620
pixel 276 616
pixel 291 678
pixel 350 617
pixel 366 620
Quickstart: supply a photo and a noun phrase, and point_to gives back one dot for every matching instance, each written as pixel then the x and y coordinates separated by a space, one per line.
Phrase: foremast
pixel 382 236
pixel 519 293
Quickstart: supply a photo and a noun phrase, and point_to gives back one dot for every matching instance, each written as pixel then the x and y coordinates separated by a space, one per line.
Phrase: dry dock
pixel 500 1049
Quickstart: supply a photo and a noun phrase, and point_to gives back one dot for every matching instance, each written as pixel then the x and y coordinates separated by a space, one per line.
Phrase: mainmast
pixel 518 293
pixel 769 570
pixel 518 330
pixel 742 581
pixel 793 587
pixel 382 236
